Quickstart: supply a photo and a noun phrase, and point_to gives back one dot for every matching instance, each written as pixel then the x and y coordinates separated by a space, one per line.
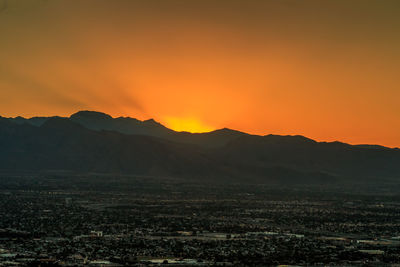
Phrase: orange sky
pixel 328 70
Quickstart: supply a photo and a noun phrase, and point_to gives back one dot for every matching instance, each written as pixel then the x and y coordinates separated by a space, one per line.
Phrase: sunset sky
pixel 329 70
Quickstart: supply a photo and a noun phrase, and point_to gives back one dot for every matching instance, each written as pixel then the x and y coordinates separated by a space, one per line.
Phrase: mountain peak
pixel 151 122
pixel 290 138
pixel 227 131
pixel 91 115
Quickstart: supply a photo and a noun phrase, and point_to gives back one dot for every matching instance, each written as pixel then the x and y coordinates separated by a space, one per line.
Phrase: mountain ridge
pixel 222 155
pixel 120 124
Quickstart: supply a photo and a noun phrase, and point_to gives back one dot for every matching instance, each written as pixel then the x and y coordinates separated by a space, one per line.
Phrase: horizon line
pixel 205 132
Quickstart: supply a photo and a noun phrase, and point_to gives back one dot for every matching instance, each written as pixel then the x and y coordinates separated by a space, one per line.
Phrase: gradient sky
pixel 328 70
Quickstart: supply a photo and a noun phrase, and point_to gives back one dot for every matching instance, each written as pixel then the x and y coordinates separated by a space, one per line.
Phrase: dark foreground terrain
pixel 73 220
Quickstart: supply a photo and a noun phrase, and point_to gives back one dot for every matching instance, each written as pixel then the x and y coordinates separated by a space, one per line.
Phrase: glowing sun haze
pixel 328 70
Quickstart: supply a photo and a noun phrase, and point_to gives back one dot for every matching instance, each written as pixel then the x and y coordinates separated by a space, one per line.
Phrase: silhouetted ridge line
pixel 96 142
pixel 99 121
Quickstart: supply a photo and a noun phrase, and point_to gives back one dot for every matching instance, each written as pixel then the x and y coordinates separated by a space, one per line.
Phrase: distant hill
pixel 95 142
pixel 100 121
pixel 60 144
pixel 35 121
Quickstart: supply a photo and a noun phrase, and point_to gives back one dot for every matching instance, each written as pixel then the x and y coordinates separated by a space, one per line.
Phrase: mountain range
pixel 94 142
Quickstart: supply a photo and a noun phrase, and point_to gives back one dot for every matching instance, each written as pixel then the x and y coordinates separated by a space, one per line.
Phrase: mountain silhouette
pixel 100 121
pixel 95 142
